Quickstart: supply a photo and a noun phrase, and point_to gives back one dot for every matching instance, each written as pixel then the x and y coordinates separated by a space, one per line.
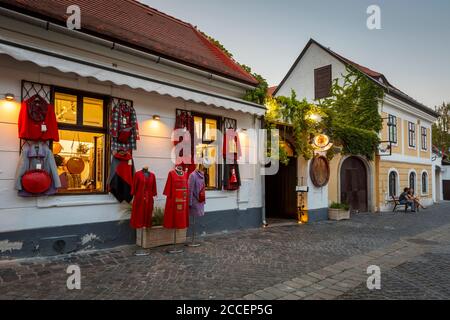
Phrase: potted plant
pixel 157 235
pixel 339 211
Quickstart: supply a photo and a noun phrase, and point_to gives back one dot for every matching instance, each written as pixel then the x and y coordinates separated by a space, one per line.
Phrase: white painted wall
pixel 154 148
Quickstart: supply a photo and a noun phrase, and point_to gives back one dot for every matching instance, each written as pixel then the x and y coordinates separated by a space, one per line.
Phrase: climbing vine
pixel 350 116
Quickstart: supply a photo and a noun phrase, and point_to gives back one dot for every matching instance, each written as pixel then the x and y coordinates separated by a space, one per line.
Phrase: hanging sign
pixel 319 171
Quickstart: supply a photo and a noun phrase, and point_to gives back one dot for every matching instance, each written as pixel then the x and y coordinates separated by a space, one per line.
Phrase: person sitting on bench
pixel 404 199
pixel 415 198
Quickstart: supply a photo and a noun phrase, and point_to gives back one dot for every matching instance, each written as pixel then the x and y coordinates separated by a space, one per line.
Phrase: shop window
pixel 412 181
pixel 205 132
pixel 393 183
pixel 424 139
pixel 411 135
pixel 424 183
pixel 81 152
pixel 392 129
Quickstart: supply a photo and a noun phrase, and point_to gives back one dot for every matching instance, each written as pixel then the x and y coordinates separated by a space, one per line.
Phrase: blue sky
pixel 412 49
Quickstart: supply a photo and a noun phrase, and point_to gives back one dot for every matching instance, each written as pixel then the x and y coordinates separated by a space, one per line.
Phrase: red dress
pixel 144 189
pixel 176 214
pixel 37 120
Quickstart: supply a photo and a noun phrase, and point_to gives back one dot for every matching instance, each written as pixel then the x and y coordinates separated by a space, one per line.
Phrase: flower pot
pixel 158 236
pixel 338 214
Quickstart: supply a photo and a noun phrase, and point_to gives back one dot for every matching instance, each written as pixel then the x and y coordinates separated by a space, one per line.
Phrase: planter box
pixel 338 214
pixel 158 236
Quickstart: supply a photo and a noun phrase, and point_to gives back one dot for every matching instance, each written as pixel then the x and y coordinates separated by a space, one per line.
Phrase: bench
pixel 397 203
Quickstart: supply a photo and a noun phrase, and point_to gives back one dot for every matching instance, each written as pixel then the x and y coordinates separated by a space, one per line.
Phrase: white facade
pixel 214 96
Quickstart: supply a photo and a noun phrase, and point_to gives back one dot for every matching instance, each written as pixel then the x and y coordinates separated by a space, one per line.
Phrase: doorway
pixel 281 196
pixel 354 184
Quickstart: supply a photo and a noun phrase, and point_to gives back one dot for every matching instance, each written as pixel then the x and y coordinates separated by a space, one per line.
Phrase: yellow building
pixel 404 159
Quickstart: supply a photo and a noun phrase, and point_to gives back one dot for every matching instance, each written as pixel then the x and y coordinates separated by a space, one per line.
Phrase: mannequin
pixel 143 190
pixel 197 197
pixel 176 213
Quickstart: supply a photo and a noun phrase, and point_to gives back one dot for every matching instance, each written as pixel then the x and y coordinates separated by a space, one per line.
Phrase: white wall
pixel 154 148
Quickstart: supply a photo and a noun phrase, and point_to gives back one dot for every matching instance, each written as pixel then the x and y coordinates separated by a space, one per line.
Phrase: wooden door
pixel 354 184
pixel 446 189
pixel 281 197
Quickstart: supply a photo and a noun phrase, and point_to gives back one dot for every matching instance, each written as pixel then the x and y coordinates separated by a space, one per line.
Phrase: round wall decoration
pixel 319 171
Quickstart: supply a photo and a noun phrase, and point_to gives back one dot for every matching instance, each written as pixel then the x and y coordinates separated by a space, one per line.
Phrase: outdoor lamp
pixel 156 117
pixel 315 117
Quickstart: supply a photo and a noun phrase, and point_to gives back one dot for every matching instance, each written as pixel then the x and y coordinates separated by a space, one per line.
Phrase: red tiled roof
pixel 133 23
pixel 271 90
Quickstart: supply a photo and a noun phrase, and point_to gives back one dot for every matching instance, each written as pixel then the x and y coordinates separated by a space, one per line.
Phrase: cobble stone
pixel 239 264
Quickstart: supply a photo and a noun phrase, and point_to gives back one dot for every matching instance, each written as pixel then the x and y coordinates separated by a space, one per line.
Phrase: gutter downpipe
pixel 49 26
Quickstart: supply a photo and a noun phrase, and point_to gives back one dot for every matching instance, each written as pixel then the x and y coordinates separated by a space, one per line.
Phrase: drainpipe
pixel 49 26
pixel 263 183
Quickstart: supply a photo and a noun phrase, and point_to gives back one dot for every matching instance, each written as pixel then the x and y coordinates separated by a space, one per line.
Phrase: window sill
pixel 75 201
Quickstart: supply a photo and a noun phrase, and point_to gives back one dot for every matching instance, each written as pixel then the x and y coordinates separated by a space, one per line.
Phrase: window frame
pixel 393 174
pixel 412 143
pixel 79 127
pixel 412 174
pixel 327 68
pixel 393 129
pixel 424 138
pixel 205 116
pixel 424 174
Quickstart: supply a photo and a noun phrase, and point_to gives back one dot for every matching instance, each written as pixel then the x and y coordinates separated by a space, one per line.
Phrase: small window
pixel 424 138
pixel 424 183
pixel 393 183
pixel 392 125
pixel 412 181
pixel 322 82
pixel 205 131
pixel 411 134
pixel 81 152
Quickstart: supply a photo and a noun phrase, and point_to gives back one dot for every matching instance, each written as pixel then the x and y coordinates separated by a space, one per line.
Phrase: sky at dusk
pixel 412 49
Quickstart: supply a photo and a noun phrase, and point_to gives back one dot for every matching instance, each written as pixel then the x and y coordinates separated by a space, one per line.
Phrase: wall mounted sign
pixel 322 143
pixel 319 171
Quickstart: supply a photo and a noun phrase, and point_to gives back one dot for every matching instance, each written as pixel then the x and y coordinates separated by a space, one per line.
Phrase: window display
pixel 81 152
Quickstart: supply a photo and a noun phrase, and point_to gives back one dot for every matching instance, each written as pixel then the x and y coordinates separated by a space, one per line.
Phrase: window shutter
pixel 322 82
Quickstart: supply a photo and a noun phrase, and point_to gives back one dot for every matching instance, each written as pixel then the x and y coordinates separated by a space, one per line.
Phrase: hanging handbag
pixel 36 181
pixel 202 195
pixel 75 164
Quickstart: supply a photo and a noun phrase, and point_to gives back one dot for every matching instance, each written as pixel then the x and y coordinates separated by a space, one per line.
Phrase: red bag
pixel 36 181
pixel 202 195
pixel 125 134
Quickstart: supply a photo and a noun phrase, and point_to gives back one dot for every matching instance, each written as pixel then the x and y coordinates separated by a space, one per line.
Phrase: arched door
pixel 354 184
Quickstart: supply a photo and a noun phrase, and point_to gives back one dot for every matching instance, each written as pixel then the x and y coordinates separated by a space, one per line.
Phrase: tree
pixel 441 129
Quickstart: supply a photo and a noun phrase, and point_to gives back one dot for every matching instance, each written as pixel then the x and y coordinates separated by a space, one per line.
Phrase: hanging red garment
pixel 176 213
pixel 231 153
pixel 37 120
pixel 143 190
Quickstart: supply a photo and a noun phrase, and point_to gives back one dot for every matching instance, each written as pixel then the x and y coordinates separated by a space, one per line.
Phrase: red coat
pixel 176 214
pixel 144 189
pixel 37 120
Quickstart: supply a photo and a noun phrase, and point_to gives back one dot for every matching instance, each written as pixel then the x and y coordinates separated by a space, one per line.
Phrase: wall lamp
pixel 156 117
pixel 9 96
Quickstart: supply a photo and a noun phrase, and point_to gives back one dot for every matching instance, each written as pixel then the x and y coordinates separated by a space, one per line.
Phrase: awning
pixel 120 77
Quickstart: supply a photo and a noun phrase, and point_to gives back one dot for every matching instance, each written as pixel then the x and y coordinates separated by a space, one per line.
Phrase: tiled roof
pixel 271 90
pixel 132 23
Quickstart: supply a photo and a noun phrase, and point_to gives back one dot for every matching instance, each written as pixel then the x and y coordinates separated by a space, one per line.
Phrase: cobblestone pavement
pixel 325 260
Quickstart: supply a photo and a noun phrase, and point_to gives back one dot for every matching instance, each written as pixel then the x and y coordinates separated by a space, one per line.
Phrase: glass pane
pixel 80 157
pixel 198 128
pixel 66 108
pixel 209 151
pixel 92 112
pixel 210 129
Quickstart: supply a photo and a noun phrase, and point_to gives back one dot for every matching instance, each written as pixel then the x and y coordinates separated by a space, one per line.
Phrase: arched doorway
pixel 354 184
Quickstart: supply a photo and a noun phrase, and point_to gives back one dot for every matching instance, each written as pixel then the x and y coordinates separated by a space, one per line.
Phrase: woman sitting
pixel 414 198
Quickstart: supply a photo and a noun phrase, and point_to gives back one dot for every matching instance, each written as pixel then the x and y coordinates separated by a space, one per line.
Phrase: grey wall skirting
pixel 316 215
pixel 66 239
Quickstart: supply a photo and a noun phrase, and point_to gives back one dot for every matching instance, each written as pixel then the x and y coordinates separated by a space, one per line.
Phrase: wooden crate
pixel 158 236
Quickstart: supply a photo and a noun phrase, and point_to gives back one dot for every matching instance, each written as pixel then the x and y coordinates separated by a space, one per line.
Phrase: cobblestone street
pixel 326 260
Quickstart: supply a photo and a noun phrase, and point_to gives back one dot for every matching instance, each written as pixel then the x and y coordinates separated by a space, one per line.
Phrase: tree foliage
pixel 441 129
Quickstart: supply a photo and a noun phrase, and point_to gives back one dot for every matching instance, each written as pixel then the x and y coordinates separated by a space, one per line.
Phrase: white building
pixel 131 52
